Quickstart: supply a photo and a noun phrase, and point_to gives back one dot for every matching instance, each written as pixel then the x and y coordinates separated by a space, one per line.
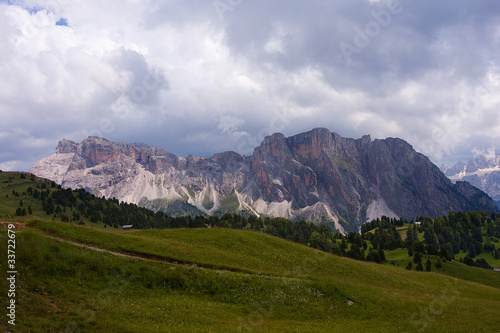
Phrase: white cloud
pixel 489 154
pixel 178 75
pixel 229 124
pixel 11 165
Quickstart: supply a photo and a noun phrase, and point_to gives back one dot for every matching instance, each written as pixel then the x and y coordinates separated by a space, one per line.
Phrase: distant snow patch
pixel 479 172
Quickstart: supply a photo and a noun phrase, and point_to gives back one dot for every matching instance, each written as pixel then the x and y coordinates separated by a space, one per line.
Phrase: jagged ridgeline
pixel 482 171
pixel 317 176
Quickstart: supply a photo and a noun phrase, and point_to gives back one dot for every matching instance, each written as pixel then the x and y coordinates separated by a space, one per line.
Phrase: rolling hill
pixel 74 278
pixel 82 277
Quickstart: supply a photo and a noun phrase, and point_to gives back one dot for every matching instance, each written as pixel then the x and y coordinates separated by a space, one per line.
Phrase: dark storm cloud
pixel 406 41
pixel 204 76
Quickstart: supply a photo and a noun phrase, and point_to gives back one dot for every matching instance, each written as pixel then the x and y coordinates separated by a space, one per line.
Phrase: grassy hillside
pixel 16 196
pixel 24 197
pixel 220 280
pixel 13 190
pixel 87 275
pixel 234 250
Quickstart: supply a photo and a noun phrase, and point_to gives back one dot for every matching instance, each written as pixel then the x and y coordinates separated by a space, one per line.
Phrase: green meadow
pixel 223 280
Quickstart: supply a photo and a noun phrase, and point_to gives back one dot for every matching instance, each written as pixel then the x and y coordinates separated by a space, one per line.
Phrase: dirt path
pixel 154 257
pixel 90 247
pixel 19 225
pixel 151 257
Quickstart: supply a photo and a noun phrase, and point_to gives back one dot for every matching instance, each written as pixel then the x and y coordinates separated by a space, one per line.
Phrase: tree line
pixel 471 232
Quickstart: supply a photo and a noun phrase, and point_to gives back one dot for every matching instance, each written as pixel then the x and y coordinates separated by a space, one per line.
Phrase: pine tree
pixel 428 265
pixel 468 261
pixel 343 244
pixel 409 235
pixel 417 258
pixel 471 250
pixel 381 255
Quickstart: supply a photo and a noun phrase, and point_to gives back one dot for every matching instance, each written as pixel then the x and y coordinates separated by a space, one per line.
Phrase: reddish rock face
pixel 97 151
pixel 346 175
pixel 309 146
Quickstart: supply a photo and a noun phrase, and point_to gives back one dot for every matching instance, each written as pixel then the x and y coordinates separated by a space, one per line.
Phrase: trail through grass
pixel 276 286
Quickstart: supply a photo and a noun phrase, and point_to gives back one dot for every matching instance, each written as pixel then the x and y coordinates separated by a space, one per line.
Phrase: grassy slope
pixel 11 182
pixel 485 255
pixel 275 286
pixel 453 269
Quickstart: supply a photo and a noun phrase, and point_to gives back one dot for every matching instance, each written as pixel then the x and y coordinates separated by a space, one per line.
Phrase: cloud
pixel 489 154
pixel 229 124
pixel 188 75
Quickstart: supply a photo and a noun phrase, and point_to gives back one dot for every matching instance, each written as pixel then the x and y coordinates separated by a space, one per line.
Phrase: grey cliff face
pixel 317 175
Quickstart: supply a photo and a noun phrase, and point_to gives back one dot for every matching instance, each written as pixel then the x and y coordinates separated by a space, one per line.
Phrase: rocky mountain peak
pixel 454 170
pixel 482 162
pixel 227 157
pixel 482 171
pixel 273 145
pixel 310 145
pixel 66 147
pixel 316 176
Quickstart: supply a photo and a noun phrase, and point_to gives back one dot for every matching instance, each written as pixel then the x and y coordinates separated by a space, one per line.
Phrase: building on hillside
pixel 127 227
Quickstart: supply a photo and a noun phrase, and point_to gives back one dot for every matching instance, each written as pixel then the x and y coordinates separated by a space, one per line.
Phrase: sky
pixel 200 77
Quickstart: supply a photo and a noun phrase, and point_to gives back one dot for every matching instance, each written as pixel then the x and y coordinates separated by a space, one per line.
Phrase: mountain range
pixel 482 171
pixel 316 176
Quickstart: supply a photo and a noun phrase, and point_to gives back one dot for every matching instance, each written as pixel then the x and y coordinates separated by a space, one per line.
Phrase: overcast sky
pixel 199 77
